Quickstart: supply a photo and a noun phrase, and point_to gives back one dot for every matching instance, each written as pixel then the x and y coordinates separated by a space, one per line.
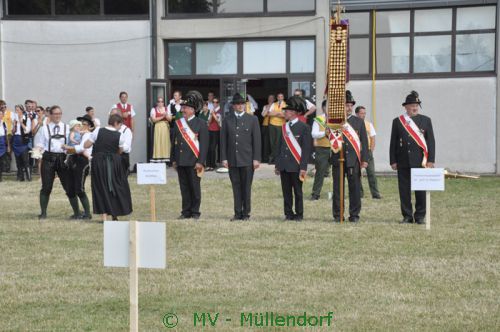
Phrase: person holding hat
pixel 189 154
pixel 355 157
pixel 293 154
pixel 80 163
pixel 241 153
pixel 412 146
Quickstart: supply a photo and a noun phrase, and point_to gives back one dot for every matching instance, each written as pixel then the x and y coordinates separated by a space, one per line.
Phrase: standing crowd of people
pixel 195 135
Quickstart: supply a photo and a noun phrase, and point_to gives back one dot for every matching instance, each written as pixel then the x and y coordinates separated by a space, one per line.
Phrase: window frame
pixel 239 53
pixel 75 17
pixel 412 34
pixel 215 14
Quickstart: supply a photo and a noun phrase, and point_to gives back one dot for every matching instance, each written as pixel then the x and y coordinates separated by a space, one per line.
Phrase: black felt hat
pixel 238 99
pixel 412 98
pixel 349 98
pixel 193 99
pixel 297 104
pixel 86 118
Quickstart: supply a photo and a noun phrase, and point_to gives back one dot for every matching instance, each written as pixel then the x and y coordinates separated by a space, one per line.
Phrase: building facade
pixel 445 50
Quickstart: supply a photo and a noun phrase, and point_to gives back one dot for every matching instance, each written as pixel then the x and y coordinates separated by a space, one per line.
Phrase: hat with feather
pixel 349 99
pixel 412 98
pixel 193 99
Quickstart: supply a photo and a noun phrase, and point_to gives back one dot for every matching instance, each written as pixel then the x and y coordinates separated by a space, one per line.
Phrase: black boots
pixel 44 202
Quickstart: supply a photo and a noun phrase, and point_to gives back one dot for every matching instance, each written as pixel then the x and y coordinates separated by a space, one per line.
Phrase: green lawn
pixel 377 275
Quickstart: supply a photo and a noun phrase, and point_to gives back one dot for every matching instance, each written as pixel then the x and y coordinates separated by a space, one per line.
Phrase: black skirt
pixel 110 188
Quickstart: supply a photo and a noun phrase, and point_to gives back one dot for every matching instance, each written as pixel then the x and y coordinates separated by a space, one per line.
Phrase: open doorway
pixel 259 89
pixel 203 86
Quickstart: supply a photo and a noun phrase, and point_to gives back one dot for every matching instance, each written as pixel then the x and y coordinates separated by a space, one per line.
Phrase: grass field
pixel 376 275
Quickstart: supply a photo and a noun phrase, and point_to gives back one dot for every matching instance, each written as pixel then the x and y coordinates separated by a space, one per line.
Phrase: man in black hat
pixel 412 146
pixel 293 153
pixel 355 157
pixel 189 154
pixel 241 153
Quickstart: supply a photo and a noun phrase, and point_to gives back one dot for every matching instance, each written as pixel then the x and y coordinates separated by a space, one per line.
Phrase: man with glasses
pixel 52 140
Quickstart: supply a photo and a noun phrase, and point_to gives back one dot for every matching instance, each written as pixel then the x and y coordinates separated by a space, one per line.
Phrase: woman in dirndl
pixel 160 116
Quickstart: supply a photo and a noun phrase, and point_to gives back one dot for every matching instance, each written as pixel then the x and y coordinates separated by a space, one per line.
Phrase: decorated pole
pixel 336 87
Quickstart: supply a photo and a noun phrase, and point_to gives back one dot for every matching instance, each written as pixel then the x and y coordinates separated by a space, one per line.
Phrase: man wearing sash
pixel 241 153
pixel 189 154
pixel 355 146
pixel 293 153
pixel 52 139
pixel 412 146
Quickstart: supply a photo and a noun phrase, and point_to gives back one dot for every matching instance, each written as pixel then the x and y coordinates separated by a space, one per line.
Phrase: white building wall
pixel 463 113
pixel 78 63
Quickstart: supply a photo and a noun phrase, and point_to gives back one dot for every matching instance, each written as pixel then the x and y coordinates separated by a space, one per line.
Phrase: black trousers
pixel 22 163
pixel 189 183
pixel 241 180
pixel 126 162
pixel 266 144
pixel 213 148
pixel 354 179
pixel 53 163
pixel 404 184
pixel 292 186
pixel 79 172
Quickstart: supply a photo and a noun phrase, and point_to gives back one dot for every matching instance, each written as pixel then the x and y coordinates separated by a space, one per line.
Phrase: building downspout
pixel 497 113
pixel 154 36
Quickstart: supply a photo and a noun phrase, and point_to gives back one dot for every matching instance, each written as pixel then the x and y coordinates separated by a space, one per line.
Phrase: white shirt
pixel 97 122
pixel 127 135
pixel 316 133
pixel 80 148
pixel 373 133
pixel 124 106
pixel 122 144
pixel 2 130
pixel 153 112
pixel 191 118
pixel 309 105
pixel 210 105
pixel 178 107
pixel 55 143
pixel 18 127
pixel 294 121
pixel 239 115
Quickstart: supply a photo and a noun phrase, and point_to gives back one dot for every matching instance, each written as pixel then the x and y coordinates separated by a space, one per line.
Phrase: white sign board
pixel 151 246
pixel 152 173
pixel 431 179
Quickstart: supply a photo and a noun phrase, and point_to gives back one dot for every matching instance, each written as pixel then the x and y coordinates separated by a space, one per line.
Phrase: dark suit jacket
pixel 240 140
pixel 350 156
pixel 182 153
pixel 404 150
pixel 285 160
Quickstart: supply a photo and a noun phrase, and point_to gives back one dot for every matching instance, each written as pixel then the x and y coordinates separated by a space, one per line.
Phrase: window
pixel 129 7
pixel 82 7
pixel 74 8
pixel 443 42
pixel 179 58
pixel 290 5
pixel 302 56
pixel 29 7
pixel 261 57
pixel 200 8
pixel 244 58
pixel 190 7
pixel 216 58
pixel 240 6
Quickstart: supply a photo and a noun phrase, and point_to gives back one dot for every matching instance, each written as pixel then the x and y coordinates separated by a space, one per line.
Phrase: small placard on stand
pixel 427 179
pixel 151 174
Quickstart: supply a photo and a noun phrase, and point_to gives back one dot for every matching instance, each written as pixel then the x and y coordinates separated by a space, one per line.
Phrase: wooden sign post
pixel 135 245
pixel 427 179
pixel 152 174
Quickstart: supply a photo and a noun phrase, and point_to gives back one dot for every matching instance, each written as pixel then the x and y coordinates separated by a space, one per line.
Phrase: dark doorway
pixel 259 89
pixel 203 86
